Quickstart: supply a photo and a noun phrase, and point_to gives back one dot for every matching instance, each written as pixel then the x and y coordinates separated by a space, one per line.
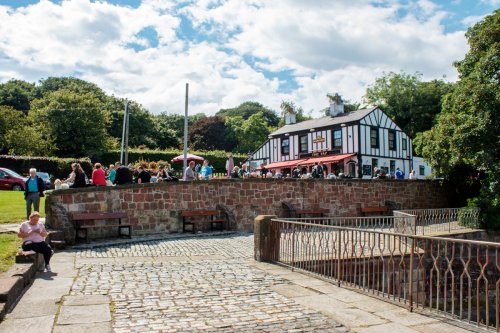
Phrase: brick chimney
pixel 336 104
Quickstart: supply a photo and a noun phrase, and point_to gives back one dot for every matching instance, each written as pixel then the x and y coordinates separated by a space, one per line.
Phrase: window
pixel 374 137
pixel 285 146
pixel 303 147
pixel 392 140
pixel 2 174
pixel 374 165
pixel 337 138
pixel 421 170
pixel 392 167
pixel 404 143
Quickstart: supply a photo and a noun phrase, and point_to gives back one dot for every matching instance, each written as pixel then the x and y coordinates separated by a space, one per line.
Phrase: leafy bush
pixel 57 167
pixel 217 157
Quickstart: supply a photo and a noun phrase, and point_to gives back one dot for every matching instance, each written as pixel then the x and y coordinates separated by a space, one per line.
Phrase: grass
pixel 13 207
pixel 9 245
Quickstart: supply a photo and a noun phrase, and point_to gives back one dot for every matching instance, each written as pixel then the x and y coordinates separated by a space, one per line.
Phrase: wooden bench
pixel 193 217
pixel 374 210
pixel 81 221
pixel 317 212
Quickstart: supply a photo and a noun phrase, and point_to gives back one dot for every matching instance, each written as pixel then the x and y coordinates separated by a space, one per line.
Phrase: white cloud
pixel 471 20
pixel 327 46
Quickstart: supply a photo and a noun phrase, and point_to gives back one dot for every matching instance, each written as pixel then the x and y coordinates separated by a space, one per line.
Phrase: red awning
pixel 285 164
pixel 327 159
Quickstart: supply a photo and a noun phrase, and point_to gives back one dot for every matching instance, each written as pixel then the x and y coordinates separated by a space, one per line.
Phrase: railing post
pixel 412 250
pixel 265 244
pixel 293 247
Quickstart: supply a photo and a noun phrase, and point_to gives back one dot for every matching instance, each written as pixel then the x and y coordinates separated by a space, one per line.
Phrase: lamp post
pixel 124 150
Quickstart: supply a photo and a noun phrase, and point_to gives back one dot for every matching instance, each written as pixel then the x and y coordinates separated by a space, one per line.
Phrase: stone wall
pixel 154 208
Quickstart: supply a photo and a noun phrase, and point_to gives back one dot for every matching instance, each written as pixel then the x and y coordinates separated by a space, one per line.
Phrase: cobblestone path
pixel 177 289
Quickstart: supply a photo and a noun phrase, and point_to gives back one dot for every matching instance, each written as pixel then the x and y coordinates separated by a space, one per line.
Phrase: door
pixel 4 182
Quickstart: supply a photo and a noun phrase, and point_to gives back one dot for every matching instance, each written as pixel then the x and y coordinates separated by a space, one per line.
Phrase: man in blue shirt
pixel 399 174
pixel 33 191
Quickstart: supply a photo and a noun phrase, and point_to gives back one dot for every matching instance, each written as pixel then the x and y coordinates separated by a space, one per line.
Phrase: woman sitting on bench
pixel 33 234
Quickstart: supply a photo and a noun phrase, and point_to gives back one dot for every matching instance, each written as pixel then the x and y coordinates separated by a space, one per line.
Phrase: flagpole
pixel 184 162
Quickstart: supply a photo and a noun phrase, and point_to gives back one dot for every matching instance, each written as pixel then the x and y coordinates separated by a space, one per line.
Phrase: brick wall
pixel 154 208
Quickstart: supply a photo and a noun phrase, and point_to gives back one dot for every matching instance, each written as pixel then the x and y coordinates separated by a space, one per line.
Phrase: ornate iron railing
pixel 431 221
pixel 457 277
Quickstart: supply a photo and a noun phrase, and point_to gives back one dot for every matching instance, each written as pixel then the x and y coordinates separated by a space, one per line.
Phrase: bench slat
pixel 104 226
pixel 202 221
pixel 98 216
pixel 187 213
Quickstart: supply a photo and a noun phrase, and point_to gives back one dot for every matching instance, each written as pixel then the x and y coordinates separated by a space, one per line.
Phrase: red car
pixel 11 180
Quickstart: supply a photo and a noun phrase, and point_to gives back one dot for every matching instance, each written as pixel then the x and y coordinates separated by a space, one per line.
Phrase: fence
pixel 457 277
pixel 442 219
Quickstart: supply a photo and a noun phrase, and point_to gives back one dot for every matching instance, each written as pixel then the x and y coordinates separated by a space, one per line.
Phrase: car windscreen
pixel 43 175
pixel 13 173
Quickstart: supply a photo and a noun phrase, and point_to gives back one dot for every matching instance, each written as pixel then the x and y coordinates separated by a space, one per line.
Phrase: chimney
pixel 336 105
pixel 290 116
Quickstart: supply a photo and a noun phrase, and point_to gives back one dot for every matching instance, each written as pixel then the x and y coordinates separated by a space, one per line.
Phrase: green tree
pixel 142 131
pixel 18 94
pixel 17 136
pixel 75 123
pixel 466 134
pixel 253 134
pixel 409 102
pixel 247 109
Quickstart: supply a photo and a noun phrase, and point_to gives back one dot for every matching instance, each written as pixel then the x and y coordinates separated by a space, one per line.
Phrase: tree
pixel 18 94
pixel 409 102
pixel 142 129
pixel 254 133
pixel 209 133
pixel 466 134
pixel 247 109
pixel 18 137
pixel 75 123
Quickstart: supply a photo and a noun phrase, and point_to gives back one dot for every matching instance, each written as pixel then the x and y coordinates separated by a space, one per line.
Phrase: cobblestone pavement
pixel 182 291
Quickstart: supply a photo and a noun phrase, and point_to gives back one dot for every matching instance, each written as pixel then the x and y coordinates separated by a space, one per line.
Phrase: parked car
pixel 11 180
pixel 46 179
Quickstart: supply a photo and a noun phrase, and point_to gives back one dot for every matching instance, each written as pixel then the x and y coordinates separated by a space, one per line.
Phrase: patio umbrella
pixel 190 157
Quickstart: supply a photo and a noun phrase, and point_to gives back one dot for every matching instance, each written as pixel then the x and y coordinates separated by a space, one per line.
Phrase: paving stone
pixel 439 328
pixel 24 325
pixel 84 328
pixel 385 328
pixel 405 317
pixel 84 314
pixel 293 290
pixel 86 300
pixel 34 308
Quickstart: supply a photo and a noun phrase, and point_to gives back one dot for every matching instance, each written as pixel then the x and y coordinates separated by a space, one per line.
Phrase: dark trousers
pixel 41 247
pixel 32 198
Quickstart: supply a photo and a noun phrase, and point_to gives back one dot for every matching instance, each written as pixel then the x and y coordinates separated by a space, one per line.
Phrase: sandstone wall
pixel 155 208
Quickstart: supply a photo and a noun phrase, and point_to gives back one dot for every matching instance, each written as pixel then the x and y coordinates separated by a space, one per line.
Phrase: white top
pixel 35 237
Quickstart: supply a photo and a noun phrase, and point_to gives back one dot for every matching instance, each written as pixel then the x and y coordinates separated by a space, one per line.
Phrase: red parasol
pixel 190 157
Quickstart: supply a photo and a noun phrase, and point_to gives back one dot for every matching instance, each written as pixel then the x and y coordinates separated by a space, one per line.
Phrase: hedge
pixel 216 158
pixel 56 167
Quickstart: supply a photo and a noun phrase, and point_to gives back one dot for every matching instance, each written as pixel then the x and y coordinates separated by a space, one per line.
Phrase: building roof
pixel 324 121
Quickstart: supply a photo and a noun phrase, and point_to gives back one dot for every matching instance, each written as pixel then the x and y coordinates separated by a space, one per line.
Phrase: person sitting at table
pixel 189 174
pixel 206 171
pixel 33 234
pixel 98 175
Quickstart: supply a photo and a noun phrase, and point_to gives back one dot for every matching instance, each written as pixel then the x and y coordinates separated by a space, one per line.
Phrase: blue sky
pixel 235 50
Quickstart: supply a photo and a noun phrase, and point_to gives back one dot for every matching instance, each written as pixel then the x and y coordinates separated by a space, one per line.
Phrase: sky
pixel 236 50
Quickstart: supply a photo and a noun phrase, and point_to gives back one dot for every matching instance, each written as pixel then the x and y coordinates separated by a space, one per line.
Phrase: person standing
pixel 189 172
pixel 98 175
pixel 33 191
pixel 33 234
pixel 399 174
pixel 206 171
pixel 322 170
pixel 230 165
pixel 112 173
pixel 413 175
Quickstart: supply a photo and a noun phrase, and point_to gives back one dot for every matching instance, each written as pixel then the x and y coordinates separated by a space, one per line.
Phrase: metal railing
pixel 457 277
pixel 429 221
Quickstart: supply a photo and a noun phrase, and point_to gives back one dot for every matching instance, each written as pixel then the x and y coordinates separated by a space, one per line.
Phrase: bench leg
pixel 87 235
